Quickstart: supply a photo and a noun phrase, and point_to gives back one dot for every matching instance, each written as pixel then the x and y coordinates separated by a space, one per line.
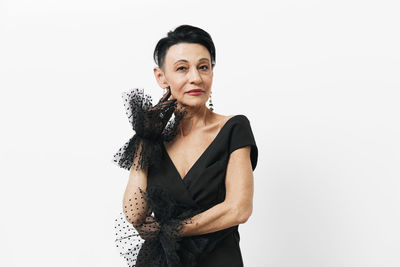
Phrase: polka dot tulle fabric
pixel 156 239
pixel 142 243
pixel 148 232
pixel 151 126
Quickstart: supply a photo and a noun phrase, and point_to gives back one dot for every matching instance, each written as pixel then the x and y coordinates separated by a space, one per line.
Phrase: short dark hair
pixel 183 34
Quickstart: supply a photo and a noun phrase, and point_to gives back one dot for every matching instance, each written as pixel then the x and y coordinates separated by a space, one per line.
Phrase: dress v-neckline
pixel 201 155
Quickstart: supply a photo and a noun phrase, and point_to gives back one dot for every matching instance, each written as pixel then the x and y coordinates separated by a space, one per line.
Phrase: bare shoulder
pixel 222 119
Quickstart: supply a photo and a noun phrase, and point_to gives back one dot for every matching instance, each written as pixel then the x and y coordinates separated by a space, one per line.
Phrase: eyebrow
pixel 184 60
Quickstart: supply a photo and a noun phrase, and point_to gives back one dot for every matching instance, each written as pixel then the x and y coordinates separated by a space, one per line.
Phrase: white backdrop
pixel 318 80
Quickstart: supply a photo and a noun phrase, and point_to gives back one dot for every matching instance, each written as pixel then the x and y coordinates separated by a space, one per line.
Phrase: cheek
pixel 177 81
pixel 208 77
pixel 178 89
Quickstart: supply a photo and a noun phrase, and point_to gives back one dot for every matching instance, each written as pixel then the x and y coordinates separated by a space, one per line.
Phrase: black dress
pixel 202 187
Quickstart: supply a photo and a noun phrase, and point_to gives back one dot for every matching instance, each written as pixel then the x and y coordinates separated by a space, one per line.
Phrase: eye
pixel 202 67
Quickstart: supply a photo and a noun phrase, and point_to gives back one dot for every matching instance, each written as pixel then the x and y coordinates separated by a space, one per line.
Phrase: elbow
pixel 134 220
pixel 244 216
pixel 242 213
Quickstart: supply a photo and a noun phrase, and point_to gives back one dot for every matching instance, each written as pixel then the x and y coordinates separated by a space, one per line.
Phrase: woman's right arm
pixel 151 127
pixel 134 205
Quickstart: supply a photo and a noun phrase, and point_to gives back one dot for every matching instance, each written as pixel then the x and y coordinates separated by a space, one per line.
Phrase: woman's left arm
pixel 238 204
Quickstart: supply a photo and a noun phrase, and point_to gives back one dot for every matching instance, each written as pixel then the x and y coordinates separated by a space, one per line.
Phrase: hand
pixel 156 117
pixel 151 127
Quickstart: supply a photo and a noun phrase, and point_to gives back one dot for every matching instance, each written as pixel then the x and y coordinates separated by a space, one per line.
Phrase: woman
pixel 192 184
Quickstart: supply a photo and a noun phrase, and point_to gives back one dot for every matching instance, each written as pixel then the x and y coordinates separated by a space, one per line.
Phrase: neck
pixel 195 117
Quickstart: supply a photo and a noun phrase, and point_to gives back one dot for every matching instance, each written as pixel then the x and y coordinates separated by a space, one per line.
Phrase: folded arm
pixel 238 204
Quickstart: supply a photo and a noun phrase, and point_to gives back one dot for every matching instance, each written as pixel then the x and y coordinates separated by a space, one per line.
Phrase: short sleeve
pixel 241 136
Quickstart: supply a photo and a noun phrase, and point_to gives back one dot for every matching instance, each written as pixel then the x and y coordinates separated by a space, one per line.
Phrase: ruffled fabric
pixel 146 143
pixel 157 241
pixel 148 231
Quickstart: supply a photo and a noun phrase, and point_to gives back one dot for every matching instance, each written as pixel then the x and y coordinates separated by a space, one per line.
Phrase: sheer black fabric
pixel 157 240
pixel 172 202
pixel 149 129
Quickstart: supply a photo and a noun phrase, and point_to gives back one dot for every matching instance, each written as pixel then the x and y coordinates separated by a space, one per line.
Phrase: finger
pixel 165 105
pixel 164 98
pixel 171 97
pixel 171 102
pixel 168 113
pixel 168 102
pixel 166 95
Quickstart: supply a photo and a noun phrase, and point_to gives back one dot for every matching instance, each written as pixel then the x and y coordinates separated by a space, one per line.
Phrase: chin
pixel 197 103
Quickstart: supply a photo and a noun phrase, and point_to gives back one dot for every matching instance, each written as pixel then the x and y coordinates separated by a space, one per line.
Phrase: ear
pixel 160 77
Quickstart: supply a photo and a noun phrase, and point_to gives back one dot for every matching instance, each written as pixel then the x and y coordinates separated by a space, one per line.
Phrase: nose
pixel 194 76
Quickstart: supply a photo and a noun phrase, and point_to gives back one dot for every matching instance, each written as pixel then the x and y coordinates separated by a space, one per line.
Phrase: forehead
pixel 186 51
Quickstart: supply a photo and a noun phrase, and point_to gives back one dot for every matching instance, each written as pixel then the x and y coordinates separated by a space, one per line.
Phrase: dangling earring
pixel 165 90
pixel 210 104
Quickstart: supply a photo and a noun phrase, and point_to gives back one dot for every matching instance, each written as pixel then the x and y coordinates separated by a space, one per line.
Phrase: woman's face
pixel 187 66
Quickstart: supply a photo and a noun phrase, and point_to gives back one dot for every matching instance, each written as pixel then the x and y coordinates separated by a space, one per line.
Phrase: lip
pixel 197 90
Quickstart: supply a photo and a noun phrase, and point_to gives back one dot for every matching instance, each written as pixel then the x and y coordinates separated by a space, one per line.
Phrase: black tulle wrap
pixel 157 241
pixel 152 127
pixel 154 240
